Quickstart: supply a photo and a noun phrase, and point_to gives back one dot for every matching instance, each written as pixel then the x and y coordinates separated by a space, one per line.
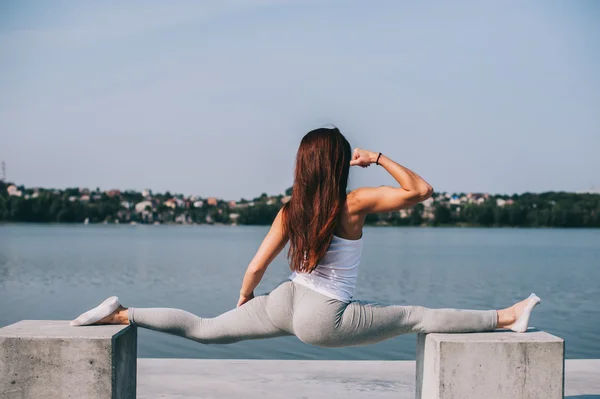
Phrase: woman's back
pixel 335 274
pixel 350 221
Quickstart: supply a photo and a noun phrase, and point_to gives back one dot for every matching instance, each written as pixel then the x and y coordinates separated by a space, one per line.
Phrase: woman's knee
pixel 426 320
pixel 417 319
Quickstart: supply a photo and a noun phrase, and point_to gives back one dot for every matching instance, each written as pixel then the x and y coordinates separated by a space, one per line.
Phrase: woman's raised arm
pixel 413 189
pixel 271 246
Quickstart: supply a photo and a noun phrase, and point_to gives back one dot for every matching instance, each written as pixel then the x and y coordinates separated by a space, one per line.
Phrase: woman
pixel 324 226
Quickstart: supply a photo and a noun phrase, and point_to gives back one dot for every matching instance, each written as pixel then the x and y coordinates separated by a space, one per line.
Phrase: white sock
pixel 522 322
pixel 98 313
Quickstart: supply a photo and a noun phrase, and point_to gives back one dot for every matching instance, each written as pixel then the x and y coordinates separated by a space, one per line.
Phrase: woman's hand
pixel 363 158
pixel 243 299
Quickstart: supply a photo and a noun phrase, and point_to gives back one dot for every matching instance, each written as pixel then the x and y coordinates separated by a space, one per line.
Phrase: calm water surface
pixel 56 272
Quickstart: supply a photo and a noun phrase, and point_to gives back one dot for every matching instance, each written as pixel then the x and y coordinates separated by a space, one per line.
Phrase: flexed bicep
pixel 385 199
pixel 413 188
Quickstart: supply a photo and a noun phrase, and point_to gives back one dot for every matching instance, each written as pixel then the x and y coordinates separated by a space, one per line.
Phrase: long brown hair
pixel 318 196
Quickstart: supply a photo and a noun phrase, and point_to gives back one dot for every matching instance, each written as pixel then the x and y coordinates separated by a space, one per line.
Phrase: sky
pixel 212 97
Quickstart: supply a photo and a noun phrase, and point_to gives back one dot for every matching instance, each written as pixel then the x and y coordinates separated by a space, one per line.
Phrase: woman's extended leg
pixel 390 321
pixel 336 324
pixel 362 323
pixel 249 321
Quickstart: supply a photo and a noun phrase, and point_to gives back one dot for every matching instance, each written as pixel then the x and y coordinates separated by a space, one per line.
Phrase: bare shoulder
pixel 351 220
pixel 353 200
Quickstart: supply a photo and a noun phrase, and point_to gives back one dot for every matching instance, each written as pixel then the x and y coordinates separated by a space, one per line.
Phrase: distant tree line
pixel 550 209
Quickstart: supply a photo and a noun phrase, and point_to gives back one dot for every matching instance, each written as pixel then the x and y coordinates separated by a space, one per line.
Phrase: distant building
pixel 500 202
pixel 232 204
pixel 477 198
pixel 183 219
pixel 180 203
pixel 146 193
pixel 141 206
pixel 438 197
pixel 113 193
pixel 84 198
pixel 211 201
pixel 171 203
pixel 125 204
pixel 428 215
pixel 198 204
pixel 14 191
pixel 286 199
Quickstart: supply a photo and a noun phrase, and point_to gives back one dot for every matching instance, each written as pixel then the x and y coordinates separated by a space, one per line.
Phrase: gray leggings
pixel 292 309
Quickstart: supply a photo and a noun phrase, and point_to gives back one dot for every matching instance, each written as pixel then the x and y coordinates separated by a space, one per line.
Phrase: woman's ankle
pixel 122 315
pixel 119 316
pixel 506 317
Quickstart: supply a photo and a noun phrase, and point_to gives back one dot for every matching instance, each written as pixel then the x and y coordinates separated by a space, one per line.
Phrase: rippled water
pixel 56 272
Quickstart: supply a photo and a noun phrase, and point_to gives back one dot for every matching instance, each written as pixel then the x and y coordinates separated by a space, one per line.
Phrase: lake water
pixel 58 271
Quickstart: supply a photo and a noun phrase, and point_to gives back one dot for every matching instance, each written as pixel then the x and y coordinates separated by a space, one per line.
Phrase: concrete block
pixel 49 359
pixel 499 364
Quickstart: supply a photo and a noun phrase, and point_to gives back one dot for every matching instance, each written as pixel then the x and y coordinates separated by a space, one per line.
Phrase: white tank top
pixel 335 275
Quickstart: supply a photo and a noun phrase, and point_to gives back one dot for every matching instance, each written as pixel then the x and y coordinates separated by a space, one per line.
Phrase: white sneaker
pixel 98 313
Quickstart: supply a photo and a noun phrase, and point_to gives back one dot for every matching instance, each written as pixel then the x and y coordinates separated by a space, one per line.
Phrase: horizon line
pixel 594 190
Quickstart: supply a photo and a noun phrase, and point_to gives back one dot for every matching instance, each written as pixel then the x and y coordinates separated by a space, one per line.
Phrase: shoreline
pixel 376 225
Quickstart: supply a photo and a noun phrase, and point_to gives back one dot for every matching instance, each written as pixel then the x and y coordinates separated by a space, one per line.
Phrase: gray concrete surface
pixel 318 379
pixel 497 365
pixel 49 359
